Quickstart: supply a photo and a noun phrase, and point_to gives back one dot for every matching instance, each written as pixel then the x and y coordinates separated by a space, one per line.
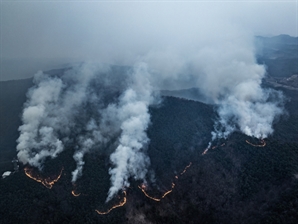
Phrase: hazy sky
pixel 42 34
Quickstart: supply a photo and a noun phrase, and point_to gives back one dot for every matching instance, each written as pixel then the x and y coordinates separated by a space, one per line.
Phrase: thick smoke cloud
pixel 234 85
pixel 232 81
pixel 253 117
pixel 129 160
pixel 77 108
pixel 39 132
pixel 51 114
pixel 226 73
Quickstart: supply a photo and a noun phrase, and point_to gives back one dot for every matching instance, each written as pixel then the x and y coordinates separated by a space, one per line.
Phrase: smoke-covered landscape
pixel 195 123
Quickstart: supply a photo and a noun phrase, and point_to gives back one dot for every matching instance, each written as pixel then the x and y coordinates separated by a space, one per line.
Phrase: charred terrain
pixel 234 182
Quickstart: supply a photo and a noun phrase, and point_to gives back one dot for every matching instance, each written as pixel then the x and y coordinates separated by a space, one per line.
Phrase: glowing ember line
pixel 157 199
pixel 47 182
pixel 143 186
pixel 74 193
pixel 169 191
pixel 205 151
pixel 214 147
pixel 263 143
pixel 148 196
pixel 115 206
pixel 185 168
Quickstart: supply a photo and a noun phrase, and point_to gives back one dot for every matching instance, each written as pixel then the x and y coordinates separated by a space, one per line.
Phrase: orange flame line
pixel 47 182
pixel 205 151
pixel 190 163
pixel 167 192
pixel 115 206
pixel 263 143
pixel 157 199
pixel 214 147
pixel 148 196
pixel 74 193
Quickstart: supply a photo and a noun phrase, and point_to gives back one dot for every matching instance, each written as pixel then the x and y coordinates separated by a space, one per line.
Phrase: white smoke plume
pixel 129 158
pixel 39 138
pixel 92 138
pixel 253 117
pixel 225 71
pixel 50 112
pixel 233 83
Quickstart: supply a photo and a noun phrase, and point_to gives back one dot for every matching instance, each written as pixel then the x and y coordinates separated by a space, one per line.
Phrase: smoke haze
pixel 58 32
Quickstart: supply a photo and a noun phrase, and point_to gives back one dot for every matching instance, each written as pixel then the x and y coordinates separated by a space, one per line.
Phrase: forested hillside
pixel 279 54
pixel 239 180
pixel 231 182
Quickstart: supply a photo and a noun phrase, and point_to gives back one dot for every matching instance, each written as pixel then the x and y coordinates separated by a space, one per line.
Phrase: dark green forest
pixel 230 183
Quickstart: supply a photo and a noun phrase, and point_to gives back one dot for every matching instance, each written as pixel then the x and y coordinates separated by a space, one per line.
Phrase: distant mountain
pixel 279 54
pixel 282 39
